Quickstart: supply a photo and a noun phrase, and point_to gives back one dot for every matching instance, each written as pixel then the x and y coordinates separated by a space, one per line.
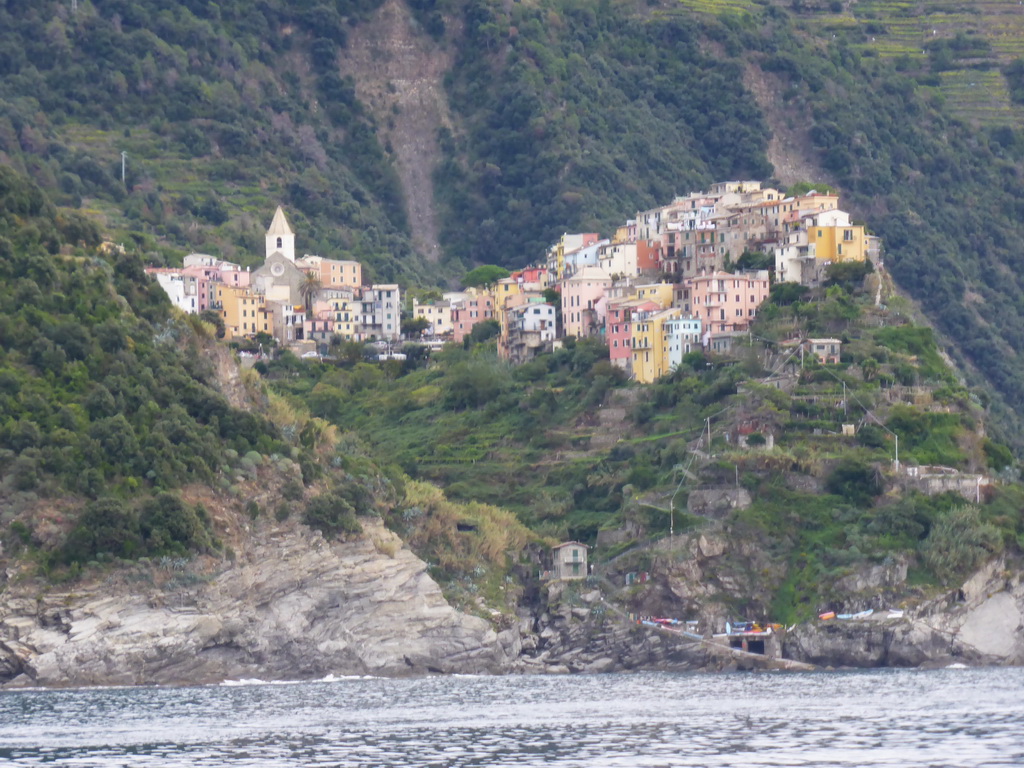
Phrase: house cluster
pixel 297 301
pixel 663 286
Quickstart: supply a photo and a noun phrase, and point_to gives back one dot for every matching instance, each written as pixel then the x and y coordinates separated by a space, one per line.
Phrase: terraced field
pixel 971 81
pixel 973 86
pixel 719 7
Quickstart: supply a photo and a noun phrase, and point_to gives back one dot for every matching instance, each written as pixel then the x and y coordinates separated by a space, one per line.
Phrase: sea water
pixel 950 717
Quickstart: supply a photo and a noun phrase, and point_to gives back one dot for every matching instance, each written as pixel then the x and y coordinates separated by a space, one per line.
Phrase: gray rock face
pixel 579 632
pixel 291 607
pixel 717 503
pixel 981 623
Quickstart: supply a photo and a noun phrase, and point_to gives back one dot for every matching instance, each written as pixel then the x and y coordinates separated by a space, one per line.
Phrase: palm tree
pixel 309 289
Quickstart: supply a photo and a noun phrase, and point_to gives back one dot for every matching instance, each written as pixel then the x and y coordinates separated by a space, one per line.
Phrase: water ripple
pixel 954 718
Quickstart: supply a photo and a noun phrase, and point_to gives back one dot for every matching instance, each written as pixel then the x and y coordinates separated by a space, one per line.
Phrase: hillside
pixel 167 519
pixel 878 455
pixel 421 138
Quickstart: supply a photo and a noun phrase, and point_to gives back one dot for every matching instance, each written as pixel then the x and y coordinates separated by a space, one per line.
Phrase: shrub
pixel 855 481
pixel 332 514
pixel 292 490
pixel 959 542
pixel 170 526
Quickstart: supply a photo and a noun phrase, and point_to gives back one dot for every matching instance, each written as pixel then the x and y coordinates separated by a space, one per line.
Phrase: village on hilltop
pixel 674 280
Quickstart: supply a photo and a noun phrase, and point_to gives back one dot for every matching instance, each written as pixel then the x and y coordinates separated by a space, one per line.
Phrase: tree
pixel 413 327
pixel 483 331
pixel 349 351
pixel 848 274
pixel 803 187
pixel 213 317
pixel 755 260
pixel 485 275
pixel 107 526
pixel 959 542
pixel 783 294
pixel 309 289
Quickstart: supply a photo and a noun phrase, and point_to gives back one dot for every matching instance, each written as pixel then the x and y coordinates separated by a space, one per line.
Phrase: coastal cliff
pixel 295 606
pixel 292 606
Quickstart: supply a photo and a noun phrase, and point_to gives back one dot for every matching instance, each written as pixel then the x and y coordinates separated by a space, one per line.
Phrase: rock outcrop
pixel 293 606
pixel 982 622
pixel 578 631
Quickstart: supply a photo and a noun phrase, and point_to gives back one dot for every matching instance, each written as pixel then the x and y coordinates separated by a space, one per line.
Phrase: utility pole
pixel 124 156
pixel 844 400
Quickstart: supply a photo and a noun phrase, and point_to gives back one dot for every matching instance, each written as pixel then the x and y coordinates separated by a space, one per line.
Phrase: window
pixel 280 242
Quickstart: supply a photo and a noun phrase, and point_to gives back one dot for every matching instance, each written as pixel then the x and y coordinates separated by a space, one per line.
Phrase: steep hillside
pixel 115 424
pixel 423 137
pixel 223 111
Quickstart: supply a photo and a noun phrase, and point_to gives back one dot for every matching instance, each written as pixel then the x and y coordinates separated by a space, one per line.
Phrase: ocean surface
pixel 950 717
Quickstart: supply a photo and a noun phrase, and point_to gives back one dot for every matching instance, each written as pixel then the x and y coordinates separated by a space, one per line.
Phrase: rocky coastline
pixel 295 606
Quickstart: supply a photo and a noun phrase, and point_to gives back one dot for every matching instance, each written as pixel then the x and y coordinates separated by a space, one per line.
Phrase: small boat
pixel 855 616
pixel 827 615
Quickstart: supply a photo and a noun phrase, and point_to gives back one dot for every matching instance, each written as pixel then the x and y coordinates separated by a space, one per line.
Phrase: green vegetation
pixel 546 441
pixel 224 111
pixel 576 116
pixel 110 409
pixel 104 389
pixel 484 275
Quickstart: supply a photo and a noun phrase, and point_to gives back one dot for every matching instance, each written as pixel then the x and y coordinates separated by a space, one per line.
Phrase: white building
pixel 531 330
pixel 682 336
pixel 280 238
pixel 569 560
pixel 382 312
pixel 180 289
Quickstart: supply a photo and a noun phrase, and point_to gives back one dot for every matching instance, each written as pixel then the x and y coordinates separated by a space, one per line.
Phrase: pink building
pixel 580 296
pixel 475 308
pixel 619 328
pixel 726 302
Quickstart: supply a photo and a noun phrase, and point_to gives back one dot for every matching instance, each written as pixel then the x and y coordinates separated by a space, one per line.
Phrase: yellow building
pixel 838 242
pixel 438 315
pixel 650 356
pixel 659 293
pixel 504 290
pixel 241 310
pixel 346 315
pixel 333 273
